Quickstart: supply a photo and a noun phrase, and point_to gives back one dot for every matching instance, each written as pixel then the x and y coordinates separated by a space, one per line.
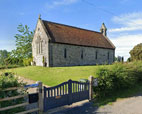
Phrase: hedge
pixel 8 80
pixel 119 77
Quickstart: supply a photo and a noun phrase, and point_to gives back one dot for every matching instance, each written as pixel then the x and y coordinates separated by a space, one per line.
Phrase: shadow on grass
pixel 4 67
pixel 131 92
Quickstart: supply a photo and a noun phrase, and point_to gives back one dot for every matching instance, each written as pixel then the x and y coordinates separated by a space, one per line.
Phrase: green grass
pixel 56 75
pixel 119 95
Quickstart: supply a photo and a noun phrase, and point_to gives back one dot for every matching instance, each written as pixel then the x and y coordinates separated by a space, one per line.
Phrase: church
pixel 58 45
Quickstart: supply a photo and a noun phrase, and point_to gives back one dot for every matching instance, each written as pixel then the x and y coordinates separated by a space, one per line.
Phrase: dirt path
pixel 28 81
pixel 25 80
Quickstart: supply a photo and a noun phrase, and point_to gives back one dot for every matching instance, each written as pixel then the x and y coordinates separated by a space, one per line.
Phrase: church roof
pixel 65 34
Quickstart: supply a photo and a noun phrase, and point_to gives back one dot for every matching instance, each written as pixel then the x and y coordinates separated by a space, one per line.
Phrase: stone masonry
pixel 59 54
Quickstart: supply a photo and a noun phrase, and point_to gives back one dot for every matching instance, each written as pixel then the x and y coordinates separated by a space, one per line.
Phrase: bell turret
pixel 103 30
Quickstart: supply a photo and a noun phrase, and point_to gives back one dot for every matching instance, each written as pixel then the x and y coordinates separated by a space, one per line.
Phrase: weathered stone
pixel 52 54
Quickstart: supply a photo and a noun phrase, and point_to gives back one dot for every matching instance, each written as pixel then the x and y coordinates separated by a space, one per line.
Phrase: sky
pixel 123 19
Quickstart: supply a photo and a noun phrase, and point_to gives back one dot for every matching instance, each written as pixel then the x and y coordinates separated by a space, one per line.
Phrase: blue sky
pixel 123 18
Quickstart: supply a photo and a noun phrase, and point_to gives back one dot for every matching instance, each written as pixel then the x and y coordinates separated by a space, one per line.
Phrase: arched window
pixel 39 46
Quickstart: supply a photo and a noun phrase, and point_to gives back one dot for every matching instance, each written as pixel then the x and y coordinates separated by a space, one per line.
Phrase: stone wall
pixel 74 55
pixel 41 37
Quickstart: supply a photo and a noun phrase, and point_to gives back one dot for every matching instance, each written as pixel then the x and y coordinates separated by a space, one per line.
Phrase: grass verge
pixel 135 91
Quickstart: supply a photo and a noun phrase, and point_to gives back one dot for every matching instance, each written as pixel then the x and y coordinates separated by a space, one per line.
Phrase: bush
pixel 8 80
pixel 27 62
pixel 105 84
pixel 120 76
pixel 9 66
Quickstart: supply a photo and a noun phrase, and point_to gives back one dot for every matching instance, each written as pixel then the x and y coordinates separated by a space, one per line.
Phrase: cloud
pixel 57 3
pixel 129 22
pixel 122 29
pixel 125 43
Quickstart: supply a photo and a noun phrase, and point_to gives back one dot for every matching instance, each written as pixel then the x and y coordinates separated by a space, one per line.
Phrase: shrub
pixel 120 76
pixel 9 66
pixel 105 84
pixel 8 80
pixel 27 62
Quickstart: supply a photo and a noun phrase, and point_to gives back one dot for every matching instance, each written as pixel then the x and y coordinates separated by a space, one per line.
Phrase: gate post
pixel 90 88
pixel 44 100
pixel 70 92
pixel 40 100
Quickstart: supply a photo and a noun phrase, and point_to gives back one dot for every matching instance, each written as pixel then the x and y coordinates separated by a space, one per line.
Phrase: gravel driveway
pixel 132 105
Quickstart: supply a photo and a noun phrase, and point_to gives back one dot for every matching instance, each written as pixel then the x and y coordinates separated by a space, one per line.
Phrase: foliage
pixel 23 42
pixel 120 94
pixel 3 55
pixel 129 59
pixel 23 50
pixel 119 77
pixel 14 60
pixel 9 66
pixel 105 84
pixel 27 62
pixel 136 52
pixel 8 80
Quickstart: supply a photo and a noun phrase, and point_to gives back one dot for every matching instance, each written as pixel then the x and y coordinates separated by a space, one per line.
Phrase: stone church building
pixel 56 45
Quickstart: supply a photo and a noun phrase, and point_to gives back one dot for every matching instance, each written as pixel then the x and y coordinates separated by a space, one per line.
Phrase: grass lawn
pixel 56 75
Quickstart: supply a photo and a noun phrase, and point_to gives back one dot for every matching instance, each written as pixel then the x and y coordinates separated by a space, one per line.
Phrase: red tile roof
pixel 60 33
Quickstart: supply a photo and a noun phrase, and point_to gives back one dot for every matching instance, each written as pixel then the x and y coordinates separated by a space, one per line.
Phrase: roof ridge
pixel 73 26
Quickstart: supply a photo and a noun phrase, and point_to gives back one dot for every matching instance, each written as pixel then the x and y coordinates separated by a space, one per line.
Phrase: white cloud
pixel 129 22
pixel 125 43
pixel 57 3
pixel 122 29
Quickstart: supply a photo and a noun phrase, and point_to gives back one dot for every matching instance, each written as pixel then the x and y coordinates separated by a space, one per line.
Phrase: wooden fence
pixel 76 89
pixel 38 95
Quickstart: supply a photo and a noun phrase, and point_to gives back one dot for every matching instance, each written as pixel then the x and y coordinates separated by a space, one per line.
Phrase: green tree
pixel 3 56
pixel 136 52
pixel 23 43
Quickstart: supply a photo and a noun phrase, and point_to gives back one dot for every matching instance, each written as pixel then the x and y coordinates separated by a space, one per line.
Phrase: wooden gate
pixel 65 94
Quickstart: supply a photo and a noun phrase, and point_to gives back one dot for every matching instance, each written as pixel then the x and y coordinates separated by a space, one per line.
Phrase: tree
pixel 23 43
pixel 136 52
pixel 3 56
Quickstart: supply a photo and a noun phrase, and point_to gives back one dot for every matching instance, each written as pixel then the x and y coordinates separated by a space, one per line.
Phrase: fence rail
pixel 15 97
pixel 38 85
pixel 65 93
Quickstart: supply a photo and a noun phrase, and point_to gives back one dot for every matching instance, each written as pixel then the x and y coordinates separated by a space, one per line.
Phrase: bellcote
pixel 103 30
